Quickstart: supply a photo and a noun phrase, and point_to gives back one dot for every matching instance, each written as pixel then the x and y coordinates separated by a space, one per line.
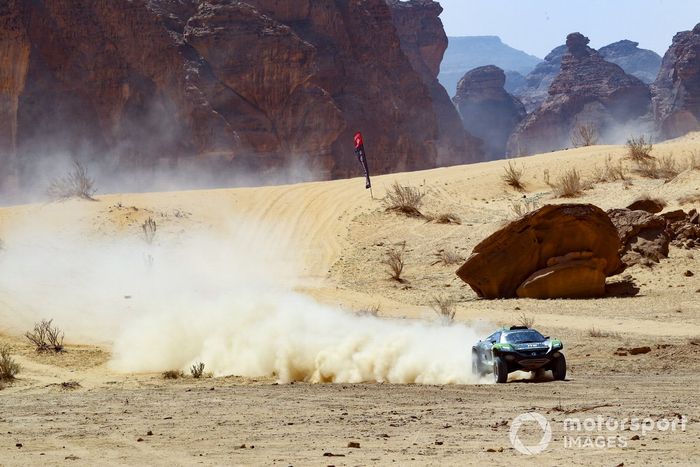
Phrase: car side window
pixel 494 338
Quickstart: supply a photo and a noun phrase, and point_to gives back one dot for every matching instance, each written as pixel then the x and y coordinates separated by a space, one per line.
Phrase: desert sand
pixel 296 253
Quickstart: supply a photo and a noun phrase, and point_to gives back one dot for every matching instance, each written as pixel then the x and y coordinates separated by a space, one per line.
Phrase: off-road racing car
pixel 518 348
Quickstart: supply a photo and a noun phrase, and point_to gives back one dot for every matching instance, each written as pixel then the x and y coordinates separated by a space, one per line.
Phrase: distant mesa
pixel 642 63
pixel 535 90
pixel 466 53
pixel 588 90
pixel 677 88
pixel 487 110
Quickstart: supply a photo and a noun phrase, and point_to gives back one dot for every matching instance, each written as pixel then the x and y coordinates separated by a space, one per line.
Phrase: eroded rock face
pixel 677 88
pixel 487 110
pixel 642 63
pixel 424 42
pixel 252 85
pixel 540 254
pixel 587 90
pixel 536 87
pixel 643 236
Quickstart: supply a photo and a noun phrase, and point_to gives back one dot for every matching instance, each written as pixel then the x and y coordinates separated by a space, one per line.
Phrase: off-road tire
pixel 500 370
pixel 559 368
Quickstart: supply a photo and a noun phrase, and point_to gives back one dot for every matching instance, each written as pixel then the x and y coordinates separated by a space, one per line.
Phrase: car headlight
pixel 503 347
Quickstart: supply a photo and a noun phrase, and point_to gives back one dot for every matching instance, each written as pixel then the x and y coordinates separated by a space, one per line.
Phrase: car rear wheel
pixel 500 370
pixel 475 364
pixel 559 368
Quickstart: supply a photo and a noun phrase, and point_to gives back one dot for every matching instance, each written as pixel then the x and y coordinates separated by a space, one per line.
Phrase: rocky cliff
pixel 642 63
pixel 424 42
pixel 231 85
pixel 487 110
pixel 587 90
pixel 677 88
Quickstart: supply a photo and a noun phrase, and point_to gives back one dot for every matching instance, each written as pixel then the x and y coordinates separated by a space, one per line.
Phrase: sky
pixel 537 26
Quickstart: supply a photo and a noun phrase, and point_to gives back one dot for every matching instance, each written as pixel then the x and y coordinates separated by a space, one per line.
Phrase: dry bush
pixel 610 172
pixel 46 336
pixel 639 148
pixel 445 307
pixel 596 332
pixel 395 260
pixel 446 218
pixel 568 185
pixel 75 184
pixel 149 228
pixel 370 310
pixel 527 321
pixel 584 134
pixel 524 206
pixel 689 199
pixel 513 176
pixel 8 367
pixel 665 168
pixel 406 200
pixel 197 370
pixel 447 258
pixel 173 374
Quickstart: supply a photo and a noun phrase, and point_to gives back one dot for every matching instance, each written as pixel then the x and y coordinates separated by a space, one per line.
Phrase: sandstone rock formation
pixel 232 85
pixel 536 87
pixel 587 90
pixel 424 42
pixel 642 63
pixel 677 88
pixel 487 110
pixel 546 254
pixel 642 235
pixel 645 237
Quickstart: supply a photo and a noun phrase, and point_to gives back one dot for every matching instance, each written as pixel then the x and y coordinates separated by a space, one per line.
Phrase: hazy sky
pixel 537 26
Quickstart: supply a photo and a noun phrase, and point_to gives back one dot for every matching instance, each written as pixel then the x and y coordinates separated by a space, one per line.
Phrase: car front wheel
pixel 559 368
pixel 500 370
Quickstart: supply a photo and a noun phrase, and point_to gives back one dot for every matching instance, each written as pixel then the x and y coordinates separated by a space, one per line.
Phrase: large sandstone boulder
pixel 235 88
pixel 588 90
pixel 487 110
pixel 541 253
pixel 677 88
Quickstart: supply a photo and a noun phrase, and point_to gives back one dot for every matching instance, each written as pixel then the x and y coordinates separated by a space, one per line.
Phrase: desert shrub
pixel 445 307
pixel 75 184
pixel 445 218
pixel 597 332
pixel 524 206
pixel 513 176
pixel 584 134
pixel 406 200
pixel 525 320
pixel 694 160
pixel 639 148
pixel 172 374
pixel 569 184
pixel 395 261
pixel 9 368
pixel 665 168
pixel 46 337
pixel 610 172
pixel 197 370
pixel 149 228
pixel 447 258
pixel 370 310
pixel 546 177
